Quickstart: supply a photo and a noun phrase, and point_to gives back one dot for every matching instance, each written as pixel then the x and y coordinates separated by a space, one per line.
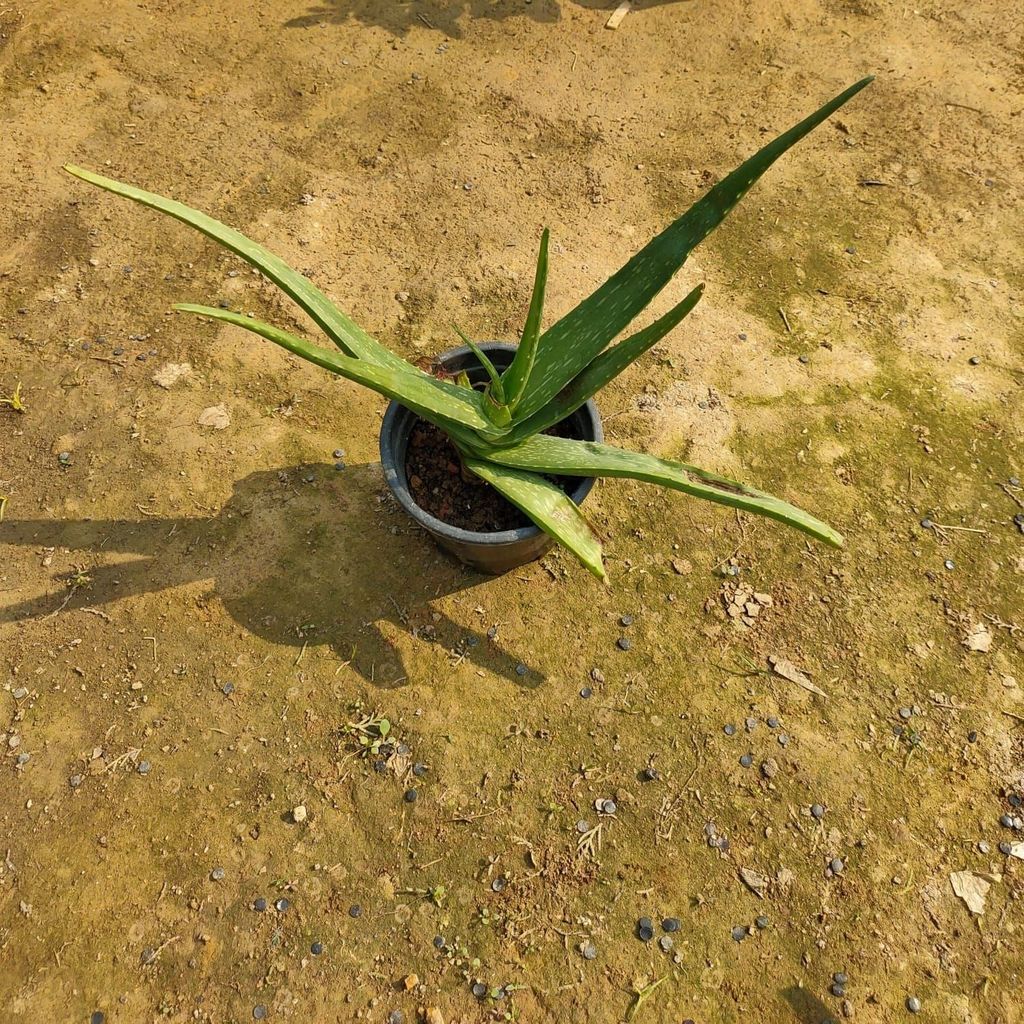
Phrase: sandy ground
pixel 190 617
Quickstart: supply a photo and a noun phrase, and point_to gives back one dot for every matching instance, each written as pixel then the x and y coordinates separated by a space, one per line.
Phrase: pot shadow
pixel 443 15
pixel 301 556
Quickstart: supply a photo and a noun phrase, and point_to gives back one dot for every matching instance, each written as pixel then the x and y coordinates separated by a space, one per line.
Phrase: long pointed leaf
pixel 548 506
pixel 435 400
pixel 519 370
pixel 606 367
pixel 345 333
pixel 570 345
pixel 546 454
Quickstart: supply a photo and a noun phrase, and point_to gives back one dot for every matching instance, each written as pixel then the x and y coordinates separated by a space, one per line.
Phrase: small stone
pixel 588 951
pixel 499 884
pixel 747 760
pixel 438 942
pixel 586 693
pixel 396 1017
pixel 259 1012
pixel 410 796
pixel 645 929
pixel 419 769
pixel 972 737
pixel 949 564
pixel 817 811
pixel 626 620
pixel 521 669
pixel 316 948
pixel 649 774
pixel 582 826
pixel 608 807
pixel 836 865
pixel 148 955
pixel 974 360
pixel 769 768
pixel 259 904
pixel 355 910
pixel 98 1017
pixel 597 675
pixel 773 722
pixel 666 943
pixel 783 738
pixel 1006 821
pixel 20 693
pixel 739 933
pixel 64 458
pixel 750 724
pixel 624 643
pixel 75 781
pixel 227 689
pixel 282 905
pixel 299 814
pixel 479 989
pixel 729 730
pixel 144 768
pixel 1006 849
pixel 913 1004
pixel 671 924
pixel 984 847
pixel 761 922
pixel 840 978
pixel 927 524
pixel 411 982
pixel 217 874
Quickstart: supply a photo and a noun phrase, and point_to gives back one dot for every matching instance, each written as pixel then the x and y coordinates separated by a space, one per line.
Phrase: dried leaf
pixel 170 373
pixel 972 888
pixel 979 638
pixel 755 882
pixel 787 670
pixel 215 416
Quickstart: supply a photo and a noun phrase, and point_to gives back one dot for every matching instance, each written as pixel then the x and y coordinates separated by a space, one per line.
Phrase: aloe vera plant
pixel 499 432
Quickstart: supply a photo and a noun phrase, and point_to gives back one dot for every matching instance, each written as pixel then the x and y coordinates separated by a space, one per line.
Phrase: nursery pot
pixel 497 552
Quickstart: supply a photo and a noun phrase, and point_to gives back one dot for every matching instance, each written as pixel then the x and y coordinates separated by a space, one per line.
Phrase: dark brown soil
pixel 440 487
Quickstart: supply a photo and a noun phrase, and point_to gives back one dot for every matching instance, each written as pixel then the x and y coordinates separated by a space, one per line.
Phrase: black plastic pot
pixel 492 553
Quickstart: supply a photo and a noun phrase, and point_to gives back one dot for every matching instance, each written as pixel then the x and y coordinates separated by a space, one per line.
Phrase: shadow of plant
pixel 300 556
pixel 444 17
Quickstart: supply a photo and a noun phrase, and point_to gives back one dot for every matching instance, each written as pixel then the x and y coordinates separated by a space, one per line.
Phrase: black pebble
pixel 729 730
pixel 282 904
pixel 645 929
pixel 259 904
pixel 762 922
pixel 438 942
pixel 98 1017
pixel 624 643
pixel 410 796
pixel 355 910
pixel 670 924
pixel 521 669
pixel 586 692
pixel 419 769
pixel 840 978
pixel 747 760
pixel 259 1012
pixel 626 620
pixel 479 990
pixel 317 948
pixel 972 737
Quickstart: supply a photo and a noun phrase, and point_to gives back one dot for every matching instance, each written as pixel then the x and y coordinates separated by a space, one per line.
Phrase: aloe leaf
pixel 605 368
pixel 519 370
pixel 548 506
pixel 572 343
pixel 545 454
pixel 435 400
pixel 345 333
pixel 497 390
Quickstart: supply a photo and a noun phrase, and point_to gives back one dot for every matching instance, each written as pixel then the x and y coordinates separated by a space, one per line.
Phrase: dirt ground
pixel 191 618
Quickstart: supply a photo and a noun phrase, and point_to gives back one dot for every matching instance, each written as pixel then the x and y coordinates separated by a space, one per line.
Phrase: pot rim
pixel 399 485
